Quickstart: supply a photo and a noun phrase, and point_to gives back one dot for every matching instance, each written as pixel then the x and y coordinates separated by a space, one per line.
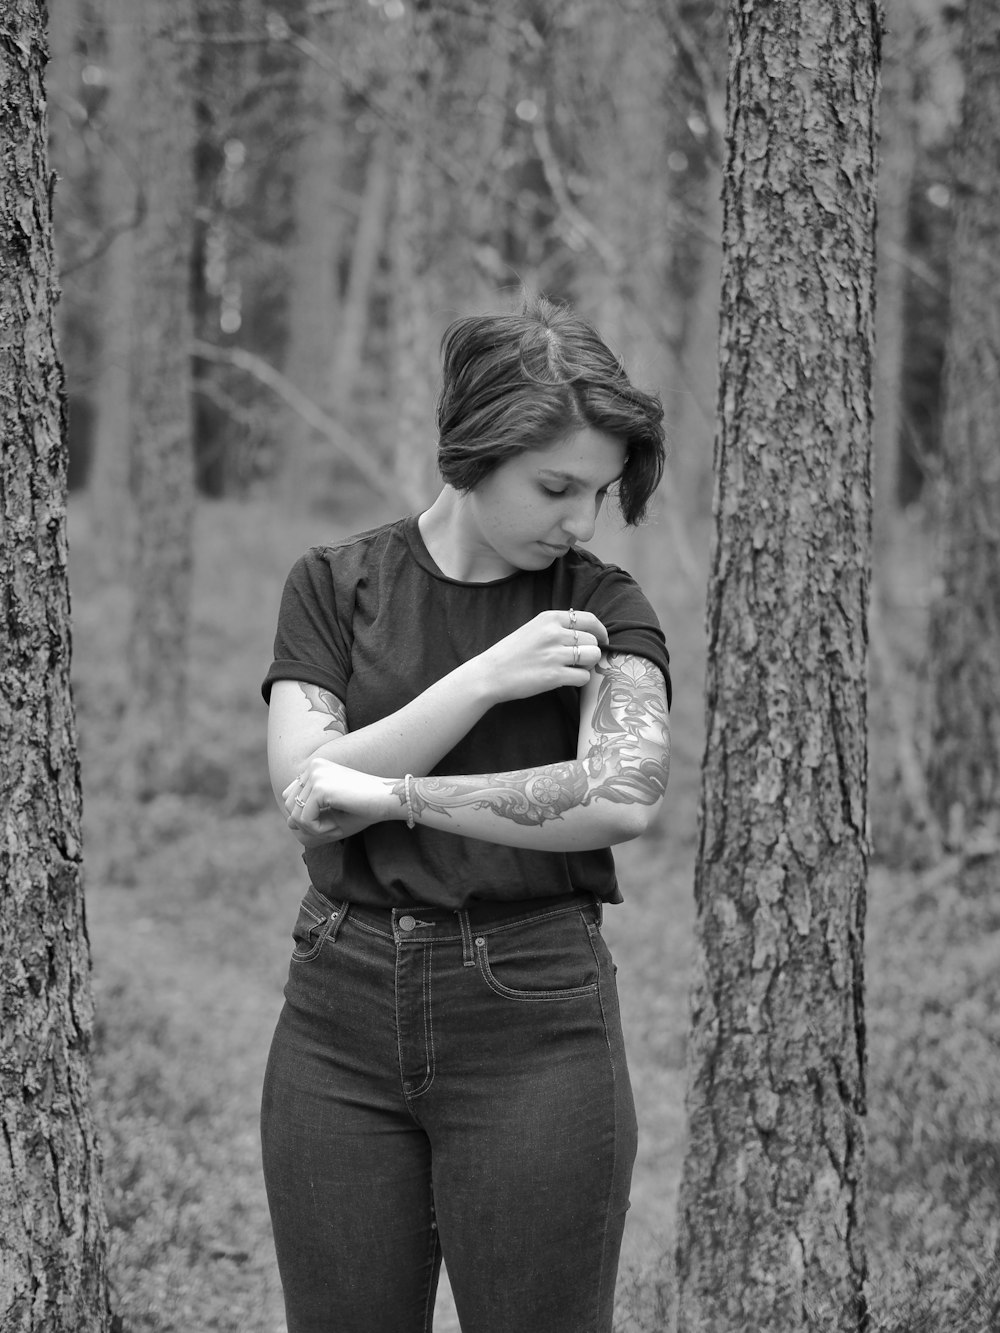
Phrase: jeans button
pixel 406 922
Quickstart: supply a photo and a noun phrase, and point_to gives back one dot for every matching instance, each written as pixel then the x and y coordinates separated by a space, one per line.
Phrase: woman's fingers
pixel 584 622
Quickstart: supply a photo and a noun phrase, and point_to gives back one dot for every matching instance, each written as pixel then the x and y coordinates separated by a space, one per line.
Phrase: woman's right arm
pixel 306 722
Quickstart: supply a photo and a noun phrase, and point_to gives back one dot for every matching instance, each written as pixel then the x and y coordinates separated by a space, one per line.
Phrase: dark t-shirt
pixel 373 620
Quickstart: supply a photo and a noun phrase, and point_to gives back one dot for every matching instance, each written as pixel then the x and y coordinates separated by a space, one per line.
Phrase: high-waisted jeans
pixel 449 1082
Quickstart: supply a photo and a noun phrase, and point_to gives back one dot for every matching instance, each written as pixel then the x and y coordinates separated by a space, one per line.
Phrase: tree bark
pixel 162 462
pixel 53 1276
pixel 964 648
pixel 770 1230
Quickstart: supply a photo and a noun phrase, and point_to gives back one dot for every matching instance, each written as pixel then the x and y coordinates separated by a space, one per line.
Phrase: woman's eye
pixel 554 494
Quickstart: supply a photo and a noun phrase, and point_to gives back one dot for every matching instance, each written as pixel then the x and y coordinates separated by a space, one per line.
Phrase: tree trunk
pixel 366 248
pixel 414 343
pixel 53 1275
pixel 964 763
pixel 897 162
pixel 121 203
pixel 162 467
pixel 770 1230
pixel 416 292
pixel 313 307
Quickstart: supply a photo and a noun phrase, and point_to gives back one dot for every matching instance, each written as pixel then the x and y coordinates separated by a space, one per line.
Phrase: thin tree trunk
pixel 896 167
pixel 365 251
pixel 162 470
pixel 964 761
pixel 414 369
pixel 771 1226
pixel 122 203
pixel 313 307
pixel 53 1276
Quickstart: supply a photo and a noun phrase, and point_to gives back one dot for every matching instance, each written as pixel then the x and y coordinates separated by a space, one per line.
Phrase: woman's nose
pixel 582 522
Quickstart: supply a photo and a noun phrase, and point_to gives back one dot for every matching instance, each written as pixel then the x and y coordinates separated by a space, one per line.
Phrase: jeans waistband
pixel 479 915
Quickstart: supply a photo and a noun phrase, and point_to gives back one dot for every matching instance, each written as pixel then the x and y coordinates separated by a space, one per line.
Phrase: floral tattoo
pixel 628 759
pixel 322 701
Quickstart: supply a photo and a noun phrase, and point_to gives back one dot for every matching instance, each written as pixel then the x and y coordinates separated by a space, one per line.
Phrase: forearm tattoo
pixel 628 759
pixel 322 701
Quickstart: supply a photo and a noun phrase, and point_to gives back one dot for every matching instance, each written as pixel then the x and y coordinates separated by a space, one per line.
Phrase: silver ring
pixel 576 654
pixel 300 801
pixel 572 619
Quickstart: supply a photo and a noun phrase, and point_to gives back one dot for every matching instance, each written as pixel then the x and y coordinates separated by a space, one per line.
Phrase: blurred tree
pixel 964 647
pixel 54 1277
pixel 70 162
pixel 121 206
pixel 320 224
pixel 770 1233
pixel 160 390
pixel 897 165
pixel 362 265
pixel 427 98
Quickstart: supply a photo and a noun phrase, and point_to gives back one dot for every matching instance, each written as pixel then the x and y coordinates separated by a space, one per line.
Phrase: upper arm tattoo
pixel 628 759
pixel 629 756
pixel 322 701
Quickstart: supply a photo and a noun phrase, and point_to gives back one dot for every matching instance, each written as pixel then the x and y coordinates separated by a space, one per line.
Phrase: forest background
pixel 359 174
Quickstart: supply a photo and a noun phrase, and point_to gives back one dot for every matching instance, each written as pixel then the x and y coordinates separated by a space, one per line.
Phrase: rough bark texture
pixel 52 1259
pixel 770 1230
pixel 162 468
pixel 964 766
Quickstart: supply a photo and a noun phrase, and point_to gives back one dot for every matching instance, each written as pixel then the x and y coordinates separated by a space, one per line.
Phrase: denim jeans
pixel 449 1082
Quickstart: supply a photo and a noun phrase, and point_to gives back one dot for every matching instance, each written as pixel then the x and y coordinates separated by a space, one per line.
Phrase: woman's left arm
pixel 608 794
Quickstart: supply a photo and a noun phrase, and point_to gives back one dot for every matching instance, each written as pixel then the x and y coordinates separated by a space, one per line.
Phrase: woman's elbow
pixel 634 819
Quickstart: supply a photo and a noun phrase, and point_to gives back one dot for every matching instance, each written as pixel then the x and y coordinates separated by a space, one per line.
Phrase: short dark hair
pixel 523 381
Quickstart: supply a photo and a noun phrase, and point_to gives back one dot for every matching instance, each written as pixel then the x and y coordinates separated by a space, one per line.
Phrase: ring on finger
pixel 300 801
pixel 572 619
pixel 576 654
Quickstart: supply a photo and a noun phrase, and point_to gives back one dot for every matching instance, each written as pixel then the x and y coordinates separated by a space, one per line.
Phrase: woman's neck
pixel 451 536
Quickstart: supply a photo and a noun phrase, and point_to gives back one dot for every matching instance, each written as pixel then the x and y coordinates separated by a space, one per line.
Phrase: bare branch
pixel 104 240
pixel 340 441
pixel 577 220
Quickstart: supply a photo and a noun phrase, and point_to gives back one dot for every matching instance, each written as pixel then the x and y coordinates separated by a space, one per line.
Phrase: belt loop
pixel 599 909
pixel 468 956
pixel 338 916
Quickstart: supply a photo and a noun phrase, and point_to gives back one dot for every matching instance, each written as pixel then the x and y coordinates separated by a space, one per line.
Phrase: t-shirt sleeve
pixel 625 612
pixel 312 642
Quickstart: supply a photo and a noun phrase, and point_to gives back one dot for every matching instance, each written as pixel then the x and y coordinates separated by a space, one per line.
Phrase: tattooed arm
pixel 607 794
pixel 306 722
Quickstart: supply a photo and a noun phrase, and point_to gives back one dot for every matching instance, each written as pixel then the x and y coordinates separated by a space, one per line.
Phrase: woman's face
pixel 535 506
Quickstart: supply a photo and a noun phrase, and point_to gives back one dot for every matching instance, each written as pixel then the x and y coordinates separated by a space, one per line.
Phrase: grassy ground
pixel 190 904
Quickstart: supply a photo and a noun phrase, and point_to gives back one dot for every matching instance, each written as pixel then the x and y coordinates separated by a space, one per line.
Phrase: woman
pixel 466 711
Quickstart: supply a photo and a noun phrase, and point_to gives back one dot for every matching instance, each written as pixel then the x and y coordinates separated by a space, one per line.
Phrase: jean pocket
pixel 538 961
pixel 316 919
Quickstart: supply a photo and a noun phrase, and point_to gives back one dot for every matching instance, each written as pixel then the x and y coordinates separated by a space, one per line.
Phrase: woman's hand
pixel 556 648
pixel 328 802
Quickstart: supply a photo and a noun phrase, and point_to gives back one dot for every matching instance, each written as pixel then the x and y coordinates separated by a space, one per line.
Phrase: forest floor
pixel 191 899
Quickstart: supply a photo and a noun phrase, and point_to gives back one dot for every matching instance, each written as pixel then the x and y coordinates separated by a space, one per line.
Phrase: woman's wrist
pixel 390 802
pixel 478 684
